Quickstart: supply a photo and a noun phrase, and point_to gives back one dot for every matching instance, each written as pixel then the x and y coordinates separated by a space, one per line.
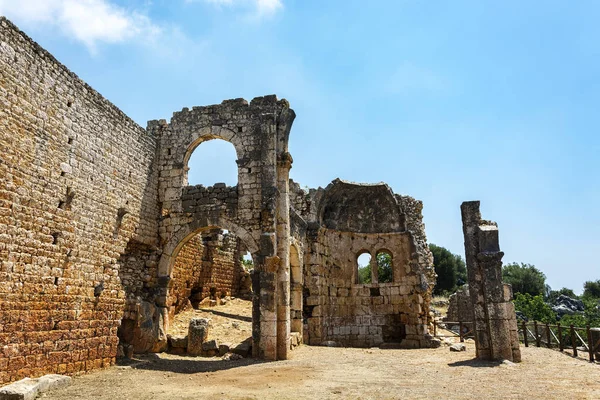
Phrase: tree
pixel 450 269
pixel 524 278
pixel 534 308
pixel 591 289
pixel 384 267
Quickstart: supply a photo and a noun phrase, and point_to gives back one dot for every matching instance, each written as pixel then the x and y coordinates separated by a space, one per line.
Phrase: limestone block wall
pixel 460 308
pixel 352 219
pixel 71 198
pixel 208 265
pixel 187 274
pixel 363 315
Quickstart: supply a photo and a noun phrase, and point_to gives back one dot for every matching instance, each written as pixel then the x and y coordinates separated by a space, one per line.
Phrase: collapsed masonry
pixel 102 240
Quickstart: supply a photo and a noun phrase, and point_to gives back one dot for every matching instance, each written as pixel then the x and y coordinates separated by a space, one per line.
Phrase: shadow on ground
pixel 188 365
pixel 475 363
pixel 227 315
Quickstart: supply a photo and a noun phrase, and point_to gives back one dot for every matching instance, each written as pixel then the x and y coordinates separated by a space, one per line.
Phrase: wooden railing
pixel 465 329
pixel 561 337
pixel 537 333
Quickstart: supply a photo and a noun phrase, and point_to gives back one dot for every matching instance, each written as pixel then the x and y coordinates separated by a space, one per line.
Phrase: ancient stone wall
pixel 356 219
pixel 207 266
pixel 72 197
pixel 256 210
pixel 460 308
pixel 188 279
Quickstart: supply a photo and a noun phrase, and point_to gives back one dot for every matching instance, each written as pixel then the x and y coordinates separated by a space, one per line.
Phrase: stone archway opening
pixel 209 161
pixel 210 279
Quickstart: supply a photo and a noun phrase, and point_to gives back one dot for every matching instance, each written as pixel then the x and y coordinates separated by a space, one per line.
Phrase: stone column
pixel 494 318
pixel 284 164
pixel 264 328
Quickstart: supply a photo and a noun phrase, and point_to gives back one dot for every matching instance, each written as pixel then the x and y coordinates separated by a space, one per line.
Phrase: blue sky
pixel 445 101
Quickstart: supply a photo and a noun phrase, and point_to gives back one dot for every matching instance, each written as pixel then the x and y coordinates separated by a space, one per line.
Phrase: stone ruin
pixel 494 318
pixel 102 240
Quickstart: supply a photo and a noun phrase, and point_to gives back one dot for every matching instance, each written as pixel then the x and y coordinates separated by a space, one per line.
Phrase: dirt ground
pixel 230 323
pixel 344 373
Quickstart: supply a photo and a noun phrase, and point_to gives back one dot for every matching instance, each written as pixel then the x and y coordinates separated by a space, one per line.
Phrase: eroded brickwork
pixel 71 198
pixel 207 266
pixel 350 220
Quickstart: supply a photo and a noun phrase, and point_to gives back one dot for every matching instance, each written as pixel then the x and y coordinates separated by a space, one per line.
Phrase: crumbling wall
pixel 460 308
pixel 188 278
pixel 207 266
pixel 256 210
pixel 354 219
pixel 494 318
pixel 72 197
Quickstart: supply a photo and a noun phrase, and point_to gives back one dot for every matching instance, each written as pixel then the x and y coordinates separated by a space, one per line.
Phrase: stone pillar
pixel 264 331
pixel 284 164
pixel 494 318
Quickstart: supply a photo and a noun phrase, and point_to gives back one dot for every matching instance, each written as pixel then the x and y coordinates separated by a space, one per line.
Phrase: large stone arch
pixel 205 134
pixel 256 209
pixel 186 232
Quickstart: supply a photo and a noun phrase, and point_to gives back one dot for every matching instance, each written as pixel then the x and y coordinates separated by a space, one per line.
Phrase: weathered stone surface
pixel 102 239
pixel 458 347
pixel 29 389
pixel 197 334
pixel 224 348
pixel 177 342
pixel 494 315
pixel 243 349
pixel 210 348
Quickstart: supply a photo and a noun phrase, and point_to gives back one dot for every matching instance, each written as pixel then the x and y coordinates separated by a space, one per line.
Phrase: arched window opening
pixel 247 261
pixel 213 161
pixel 363 263
pixel 385 270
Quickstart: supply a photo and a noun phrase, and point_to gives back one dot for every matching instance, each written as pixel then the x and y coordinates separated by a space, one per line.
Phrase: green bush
pixel 534 308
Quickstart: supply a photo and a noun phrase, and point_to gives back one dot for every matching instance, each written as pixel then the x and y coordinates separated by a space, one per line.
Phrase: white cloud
pixel 88 21
pixel 261 7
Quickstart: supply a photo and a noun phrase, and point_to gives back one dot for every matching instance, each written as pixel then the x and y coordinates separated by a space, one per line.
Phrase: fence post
pixel 560 338
pixel 573 341
pixel 549 343
pixel 525 340
pixel 460 329
pixel 590 343
pixel 537 335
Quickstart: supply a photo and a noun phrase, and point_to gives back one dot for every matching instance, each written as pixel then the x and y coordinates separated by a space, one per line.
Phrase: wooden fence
pixel 561 337
pixel 538 334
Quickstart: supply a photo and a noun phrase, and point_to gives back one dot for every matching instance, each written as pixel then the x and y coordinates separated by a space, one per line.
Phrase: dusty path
pixel 338 373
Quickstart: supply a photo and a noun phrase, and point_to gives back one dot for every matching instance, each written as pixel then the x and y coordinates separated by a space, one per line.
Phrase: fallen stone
pixel 197 334
pixel 508 363
pixel 330 343
pixel 232 357
pixel 224 348
pixel 53 381
pixel 210 348
pixel 458 347
pixel 243 349
pixel 178 342
pixel 25 389
pixel 29 389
